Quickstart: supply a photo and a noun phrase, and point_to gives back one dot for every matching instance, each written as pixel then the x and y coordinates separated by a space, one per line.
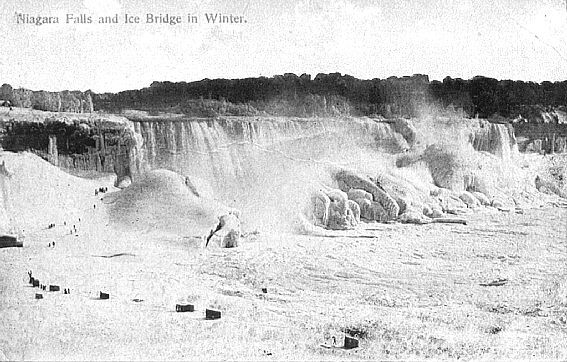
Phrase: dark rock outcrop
pixel 103 143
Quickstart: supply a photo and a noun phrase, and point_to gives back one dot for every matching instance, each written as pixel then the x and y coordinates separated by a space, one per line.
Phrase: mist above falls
pixel 268 167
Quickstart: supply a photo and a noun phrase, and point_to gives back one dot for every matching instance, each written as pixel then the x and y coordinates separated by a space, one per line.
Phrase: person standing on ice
pixel 230 225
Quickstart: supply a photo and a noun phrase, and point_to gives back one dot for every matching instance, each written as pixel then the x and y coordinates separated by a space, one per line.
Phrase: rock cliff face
pixel 104 143
pixel 217 149
pixel 542 129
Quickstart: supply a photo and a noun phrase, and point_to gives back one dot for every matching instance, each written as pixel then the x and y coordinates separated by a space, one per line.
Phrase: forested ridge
pixel 303 96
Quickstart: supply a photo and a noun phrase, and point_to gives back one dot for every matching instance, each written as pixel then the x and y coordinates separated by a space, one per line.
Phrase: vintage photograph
pixel 283 180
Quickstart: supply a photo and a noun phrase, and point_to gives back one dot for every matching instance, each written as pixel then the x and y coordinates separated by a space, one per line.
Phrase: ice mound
pixel 166 201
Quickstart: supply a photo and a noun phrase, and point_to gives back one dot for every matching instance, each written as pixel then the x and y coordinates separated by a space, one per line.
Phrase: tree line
pixel 331 94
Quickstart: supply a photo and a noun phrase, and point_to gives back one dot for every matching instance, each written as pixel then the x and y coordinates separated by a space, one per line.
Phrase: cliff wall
pixel 104 143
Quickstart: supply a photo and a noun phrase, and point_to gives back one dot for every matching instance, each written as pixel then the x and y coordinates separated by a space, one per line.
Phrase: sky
pixel 504 39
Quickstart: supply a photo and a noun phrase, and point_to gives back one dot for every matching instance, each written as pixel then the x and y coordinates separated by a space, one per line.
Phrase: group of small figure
pixel 71 231
pixel 101 190
pixel 74 229
pixel 51 244
pixel 35 283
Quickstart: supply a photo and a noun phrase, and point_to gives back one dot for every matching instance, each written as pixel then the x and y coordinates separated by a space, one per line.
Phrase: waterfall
pixel 498 139
pixel 240 157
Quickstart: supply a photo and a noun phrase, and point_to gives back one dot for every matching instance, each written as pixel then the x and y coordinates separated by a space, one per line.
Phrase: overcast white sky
pixel 505 39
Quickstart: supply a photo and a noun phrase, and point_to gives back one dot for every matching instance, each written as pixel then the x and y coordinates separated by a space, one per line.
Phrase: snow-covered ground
pixel 406 291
